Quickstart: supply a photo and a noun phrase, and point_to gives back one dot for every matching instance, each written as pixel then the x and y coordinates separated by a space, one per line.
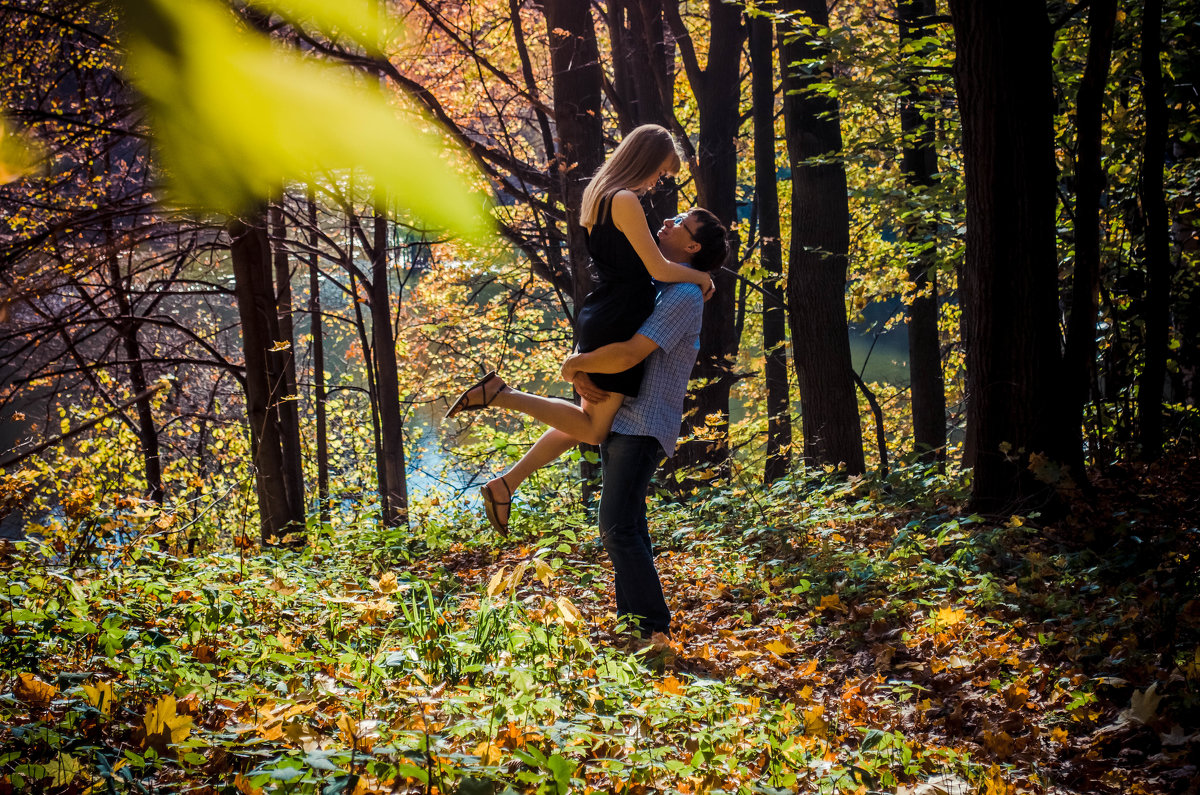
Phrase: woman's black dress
pixel 623 299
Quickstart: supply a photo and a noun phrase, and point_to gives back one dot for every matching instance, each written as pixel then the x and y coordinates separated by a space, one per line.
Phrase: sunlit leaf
pixel 100 696
pixel 17 157
pixel 163 727
pixel 235 118
pixel 34 691
pixel 360 20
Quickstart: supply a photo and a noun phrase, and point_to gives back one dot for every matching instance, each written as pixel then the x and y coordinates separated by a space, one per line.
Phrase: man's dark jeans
pixel 629 463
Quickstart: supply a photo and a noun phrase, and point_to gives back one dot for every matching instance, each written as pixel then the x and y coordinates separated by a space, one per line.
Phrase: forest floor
pixel 856 637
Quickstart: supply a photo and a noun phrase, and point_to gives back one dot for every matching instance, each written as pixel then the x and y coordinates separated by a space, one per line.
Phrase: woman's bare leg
pixel 588 423
pixel 552 443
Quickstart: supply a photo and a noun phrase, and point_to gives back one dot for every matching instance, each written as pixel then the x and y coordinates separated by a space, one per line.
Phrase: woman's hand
pixel 708 287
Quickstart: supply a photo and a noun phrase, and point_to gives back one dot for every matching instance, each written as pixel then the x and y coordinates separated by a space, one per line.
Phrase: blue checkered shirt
pixel 674 327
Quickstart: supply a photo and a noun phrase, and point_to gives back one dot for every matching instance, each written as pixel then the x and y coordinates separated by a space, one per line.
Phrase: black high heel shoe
pixel 464 400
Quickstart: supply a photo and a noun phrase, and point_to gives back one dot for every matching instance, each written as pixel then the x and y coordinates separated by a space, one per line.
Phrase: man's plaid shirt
pixel 674 327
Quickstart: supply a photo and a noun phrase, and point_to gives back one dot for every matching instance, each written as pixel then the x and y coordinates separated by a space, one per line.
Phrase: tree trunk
pixel 393 489
pixel 250 252
pixel 1157 241
pixel 128 329
pixel 1009 280
pixel 820 241
pixel 919 162
pixel 717 88
pixel 1079 360
pixel 285 356
pixel 578 87
pixel 643 81
pixel 318 348
pixel 766 193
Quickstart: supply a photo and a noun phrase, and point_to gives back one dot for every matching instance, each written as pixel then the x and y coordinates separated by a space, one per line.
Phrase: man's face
pixel 677 237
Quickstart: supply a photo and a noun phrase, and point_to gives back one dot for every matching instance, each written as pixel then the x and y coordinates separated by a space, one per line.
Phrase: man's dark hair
pixel 713 239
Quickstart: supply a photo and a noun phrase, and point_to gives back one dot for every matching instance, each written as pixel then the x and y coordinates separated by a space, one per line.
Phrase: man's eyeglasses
pixel 679 221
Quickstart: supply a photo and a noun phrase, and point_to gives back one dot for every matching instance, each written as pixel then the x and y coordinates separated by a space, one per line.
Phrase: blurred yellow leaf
pixel 17 157
pixel 359 20
pixel 235 118
pixel 387 583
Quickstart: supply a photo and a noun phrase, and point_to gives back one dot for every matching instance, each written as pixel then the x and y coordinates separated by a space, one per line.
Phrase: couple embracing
pixel 638 336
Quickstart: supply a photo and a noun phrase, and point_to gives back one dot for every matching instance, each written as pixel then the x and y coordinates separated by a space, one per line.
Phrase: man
pixel 647 427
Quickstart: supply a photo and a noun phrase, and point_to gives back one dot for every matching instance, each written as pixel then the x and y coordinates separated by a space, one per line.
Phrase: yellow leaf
pixel 779 647
pixel 62 770
pixel 387 583
pixel 100 696
pixel 234 118
pixel 542 571
pixel 34 691
pixel 948 617
pixel 830 602
pixel 16 157
pixel 488 753
pixel 163 726
pixel 569 612
pixel 814 720
pixel 496 584
pixel 358 19
pixel 670 685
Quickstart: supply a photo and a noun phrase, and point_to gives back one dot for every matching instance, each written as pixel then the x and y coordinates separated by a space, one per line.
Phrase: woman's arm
pixel 628 216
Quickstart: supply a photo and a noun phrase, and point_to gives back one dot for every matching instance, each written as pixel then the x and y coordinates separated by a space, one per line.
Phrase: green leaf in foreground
pixel 235 117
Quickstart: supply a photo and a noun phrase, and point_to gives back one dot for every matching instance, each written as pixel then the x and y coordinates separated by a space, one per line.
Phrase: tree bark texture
pixel 128 329
pixel 766 193
pixel 717 88
pixel 285 355
pixel 919 163
pixel 1080 356
pixel 817 257
pixel 317 330
pixel 643 81
pixel 1157 243
pixel 250 252
pixel 393 488
pixel 1009 279
pixel 578 88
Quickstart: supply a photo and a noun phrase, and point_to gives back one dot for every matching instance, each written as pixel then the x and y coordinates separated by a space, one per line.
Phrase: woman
pixel 626 261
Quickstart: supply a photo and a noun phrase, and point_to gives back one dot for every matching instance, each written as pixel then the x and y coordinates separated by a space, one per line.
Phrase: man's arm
pixel 612 358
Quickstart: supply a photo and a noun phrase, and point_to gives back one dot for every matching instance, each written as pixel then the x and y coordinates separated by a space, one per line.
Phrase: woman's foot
pixel 497 509
pixel 478 396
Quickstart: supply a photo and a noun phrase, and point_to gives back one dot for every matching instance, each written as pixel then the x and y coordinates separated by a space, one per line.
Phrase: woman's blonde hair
pixel 643 152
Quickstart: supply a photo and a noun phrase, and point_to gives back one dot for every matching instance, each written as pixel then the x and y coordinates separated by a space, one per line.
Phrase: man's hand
pixel 569 368
pixel 587 389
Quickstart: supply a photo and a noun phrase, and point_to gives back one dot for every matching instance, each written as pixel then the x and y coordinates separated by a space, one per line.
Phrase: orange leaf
pixel 34 691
